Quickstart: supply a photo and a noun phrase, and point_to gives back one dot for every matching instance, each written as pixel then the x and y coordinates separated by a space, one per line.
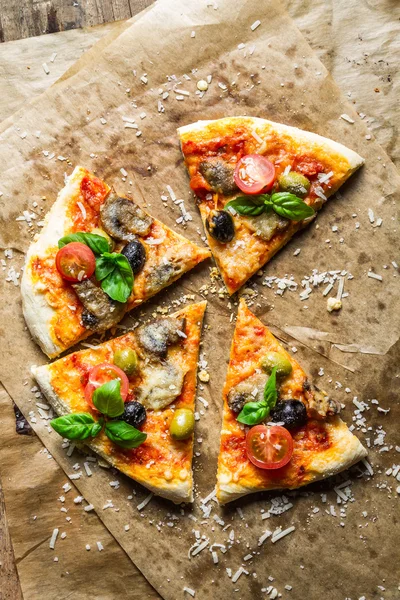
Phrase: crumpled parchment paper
pixel 70 118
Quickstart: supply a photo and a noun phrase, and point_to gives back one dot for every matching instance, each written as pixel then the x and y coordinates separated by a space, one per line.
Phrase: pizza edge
pixel 177 493
pixel 319 468
pixel 354 160
pixel 345 450
pixel 37 312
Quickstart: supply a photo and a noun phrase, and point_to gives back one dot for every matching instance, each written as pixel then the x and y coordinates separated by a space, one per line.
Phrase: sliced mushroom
pixel 319 405
pixel 162 384
pixel 248 390
pixel 158 335
pixel 123 219
pixel 100 311
pixel 162 275
pixel 219 175
pixel 267 225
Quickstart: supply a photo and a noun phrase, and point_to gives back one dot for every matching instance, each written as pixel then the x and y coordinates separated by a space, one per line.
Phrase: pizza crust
pixel 36 310
pixel 354 159
pixel 346 450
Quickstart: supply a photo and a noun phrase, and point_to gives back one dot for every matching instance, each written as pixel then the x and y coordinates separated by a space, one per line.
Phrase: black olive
pixel 220 226
pixel 89 320
pixel 292 413
pixel 134 414
pixel 136 255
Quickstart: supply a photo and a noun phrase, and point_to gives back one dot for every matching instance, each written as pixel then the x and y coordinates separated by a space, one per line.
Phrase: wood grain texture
pixel 9 583
pixel 27 18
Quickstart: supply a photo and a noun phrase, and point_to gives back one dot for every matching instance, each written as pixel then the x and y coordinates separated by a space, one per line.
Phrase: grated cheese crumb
pixel 346 118
pixel 145 502
pixel 53 539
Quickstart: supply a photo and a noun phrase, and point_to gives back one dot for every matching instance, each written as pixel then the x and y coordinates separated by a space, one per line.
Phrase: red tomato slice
pixel 269 447
pixel 254 174
pixel 75 262
pixel 102 374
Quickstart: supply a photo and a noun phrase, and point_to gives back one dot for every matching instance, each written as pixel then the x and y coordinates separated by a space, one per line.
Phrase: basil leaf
pixel 247 205
pixel 104 266
pixel 290 206
pixel 253 413
pixel 107 398
pixel 97 427
pixel 270 393
pixel 124 435
pixel 76 426
pixel 97 243
pixel 115 274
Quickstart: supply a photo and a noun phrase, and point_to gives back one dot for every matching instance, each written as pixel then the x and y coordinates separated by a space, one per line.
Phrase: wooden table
pixel 27 18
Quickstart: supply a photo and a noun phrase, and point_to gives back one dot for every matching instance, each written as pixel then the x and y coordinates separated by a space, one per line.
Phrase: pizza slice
pixel 279 430
pixel 98 256
pixel 257 183
pixel 132 400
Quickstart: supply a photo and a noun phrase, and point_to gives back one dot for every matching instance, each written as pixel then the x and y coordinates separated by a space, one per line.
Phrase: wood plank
pixel 10 588
pixel 28 18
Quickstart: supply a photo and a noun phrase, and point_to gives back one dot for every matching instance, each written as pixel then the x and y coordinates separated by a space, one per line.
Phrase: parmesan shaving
pixel 264 537
pixel 238 573
pixel 200 547
pixel 209 497
pixel 256 136
pixel 281 534
pixel 373 275
pixel 145 502
pixel 346 118
pixel 82 209
pixel 53 538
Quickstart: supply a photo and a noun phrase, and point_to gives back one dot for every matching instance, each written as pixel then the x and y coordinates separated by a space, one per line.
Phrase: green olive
pixel 105 235
pixel 127 360
pixel 182 424
pixel 295 183
pixel 278 360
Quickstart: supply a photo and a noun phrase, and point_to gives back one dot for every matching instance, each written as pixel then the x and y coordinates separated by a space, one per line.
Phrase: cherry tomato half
pixel 254 174
pixel 75 262
pixel 269 447
pixel 102 374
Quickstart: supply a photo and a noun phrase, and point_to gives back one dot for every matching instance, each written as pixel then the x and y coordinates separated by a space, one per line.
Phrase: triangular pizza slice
pixel 98 256
pixel 149 418
pixel 279 430
pixel 257 183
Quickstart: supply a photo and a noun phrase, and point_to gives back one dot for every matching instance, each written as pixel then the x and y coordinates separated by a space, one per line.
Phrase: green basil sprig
pixel 115 274
pixel 97 243
pixel 253 413
pixel 112 268
pixel 107 399
pixel 124 435
pixel 284 204
pixel 78 426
